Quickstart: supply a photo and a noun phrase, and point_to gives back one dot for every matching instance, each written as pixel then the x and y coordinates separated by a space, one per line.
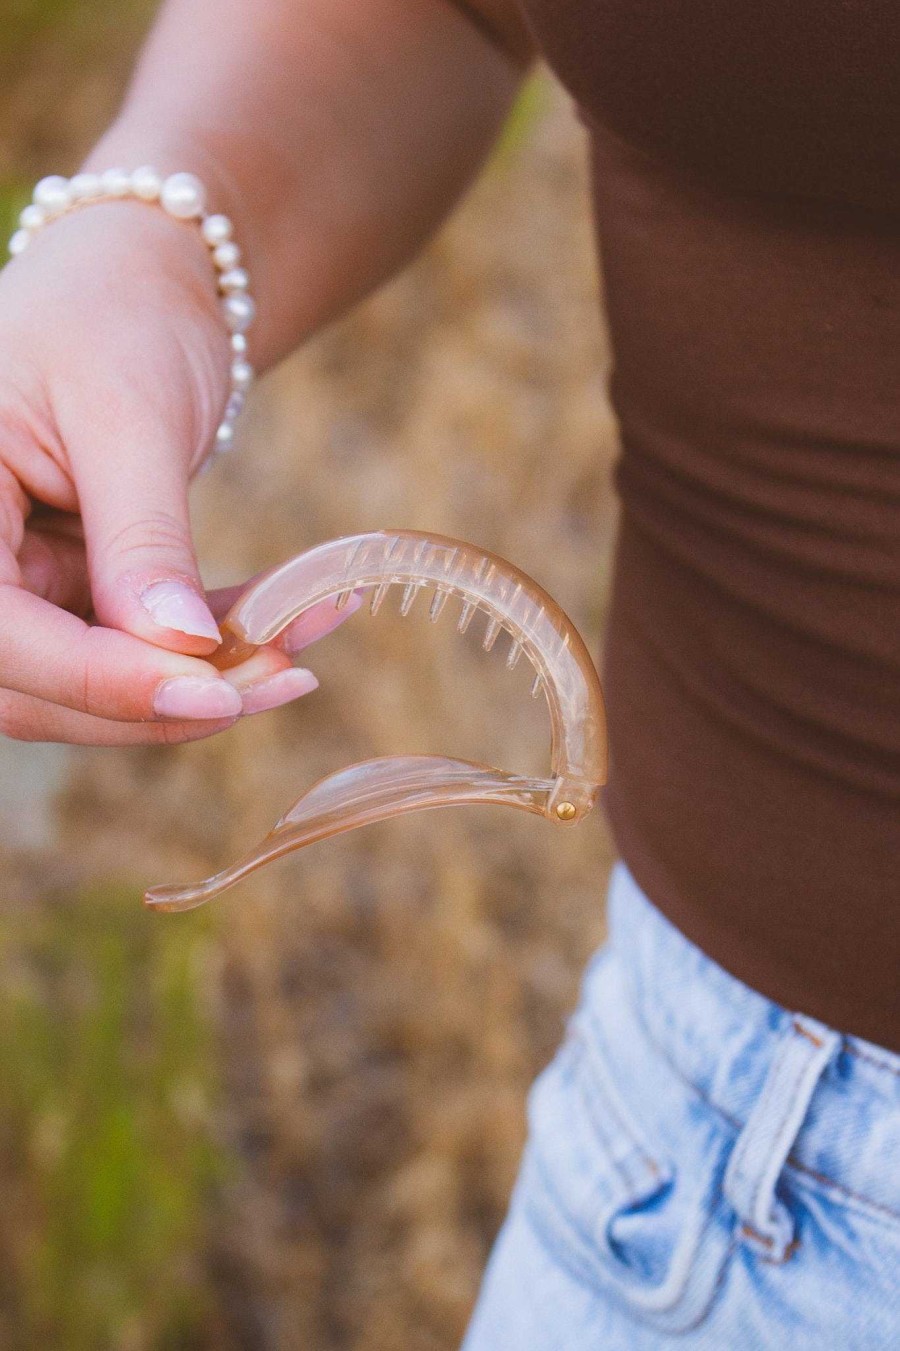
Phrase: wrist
pixel 180 200
pixel 132 142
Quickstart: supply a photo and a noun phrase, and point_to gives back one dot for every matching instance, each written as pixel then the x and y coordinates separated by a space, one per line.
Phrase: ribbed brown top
pixel 747 162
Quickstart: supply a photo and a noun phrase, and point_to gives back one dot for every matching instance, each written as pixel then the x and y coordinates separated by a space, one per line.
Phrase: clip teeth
pixel 354 554
pixel 537 685
pixel 465 615
pixel 378 596
pixel 438 601
pixel 513 655
pixel 410 591
pixel 342 598
pixel 490 634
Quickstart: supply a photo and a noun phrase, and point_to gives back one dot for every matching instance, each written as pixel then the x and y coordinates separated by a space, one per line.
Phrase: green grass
pixel 523 117
pixel 106 1156
pixel 13 196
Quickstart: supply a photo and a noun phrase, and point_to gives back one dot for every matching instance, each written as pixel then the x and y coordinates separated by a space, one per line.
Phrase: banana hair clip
pixel 374 790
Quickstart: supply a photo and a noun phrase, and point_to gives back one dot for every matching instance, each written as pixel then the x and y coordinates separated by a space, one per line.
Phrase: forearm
pixel 336 133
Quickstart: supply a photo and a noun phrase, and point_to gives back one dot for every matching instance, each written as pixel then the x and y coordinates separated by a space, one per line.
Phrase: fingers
pixel 54 566
pixel 24 718
pixel 133 491
pixel 55 656
pixel 265 682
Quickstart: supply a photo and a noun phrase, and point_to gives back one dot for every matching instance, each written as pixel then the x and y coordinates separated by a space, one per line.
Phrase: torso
pixel 747 166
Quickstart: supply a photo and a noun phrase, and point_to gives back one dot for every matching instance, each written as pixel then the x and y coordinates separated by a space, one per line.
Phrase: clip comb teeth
pixel 465 615
pixel 410 591
pixel 377 789
pixel 378 596
pixel 392 548
pixel 438 601
pixel 490 634
pixel 454 559
pixel 352 557
pixel 420 552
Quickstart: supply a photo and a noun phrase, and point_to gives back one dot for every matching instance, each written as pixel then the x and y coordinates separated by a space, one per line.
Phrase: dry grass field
pixel 364 1017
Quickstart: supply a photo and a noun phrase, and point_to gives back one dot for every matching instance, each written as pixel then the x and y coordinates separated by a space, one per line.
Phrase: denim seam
pixel 552 1233
pixel 826 1181
pixel 789 1251
pixel 595 1118
pixel 737 1125
pixel 638 1147
pixel 874 1060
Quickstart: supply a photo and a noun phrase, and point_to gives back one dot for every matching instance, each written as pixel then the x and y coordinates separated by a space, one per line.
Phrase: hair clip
pixel 376 789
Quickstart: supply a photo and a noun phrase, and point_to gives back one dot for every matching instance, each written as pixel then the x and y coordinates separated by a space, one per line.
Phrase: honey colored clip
pixel 377 789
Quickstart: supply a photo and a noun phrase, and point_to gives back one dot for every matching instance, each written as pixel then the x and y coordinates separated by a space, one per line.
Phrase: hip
pixel 703 1166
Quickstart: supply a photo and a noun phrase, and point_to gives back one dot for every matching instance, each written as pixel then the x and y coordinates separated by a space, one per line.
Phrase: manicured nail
pixel 318 622
pixel 174 605
pixel 197 697
pixel 278 689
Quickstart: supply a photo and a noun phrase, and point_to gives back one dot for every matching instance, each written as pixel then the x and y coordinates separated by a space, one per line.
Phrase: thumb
pixel 143 570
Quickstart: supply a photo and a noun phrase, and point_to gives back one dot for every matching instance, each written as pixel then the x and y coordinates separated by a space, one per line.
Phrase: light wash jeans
pixel 704 1169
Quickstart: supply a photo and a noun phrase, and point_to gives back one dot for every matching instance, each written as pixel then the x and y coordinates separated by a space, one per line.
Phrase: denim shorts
pixel 704 1169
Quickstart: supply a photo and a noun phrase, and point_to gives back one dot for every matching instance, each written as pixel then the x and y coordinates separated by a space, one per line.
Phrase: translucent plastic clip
pixel 377 789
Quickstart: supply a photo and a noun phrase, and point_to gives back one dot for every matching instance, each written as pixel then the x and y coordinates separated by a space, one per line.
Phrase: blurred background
pixel 293 1120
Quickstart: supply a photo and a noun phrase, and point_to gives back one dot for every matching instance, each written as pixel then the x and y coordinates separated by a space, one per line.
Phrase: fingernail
pixel 174 605
pixel 278 689
pixel 318 623
pixel 197 697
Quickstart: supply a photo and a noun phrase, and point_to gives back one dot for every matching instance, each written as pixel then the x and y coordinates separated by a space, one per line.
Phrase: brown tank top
pixel 747 170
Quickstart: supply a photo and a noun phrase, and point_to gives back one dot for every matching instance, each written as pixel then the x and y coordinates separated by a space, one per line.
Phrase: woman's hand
pixel 113 373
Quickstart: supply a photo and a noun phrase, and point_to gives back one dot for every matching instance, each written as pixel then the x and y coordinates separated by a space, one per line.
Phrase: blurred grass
pixel 107 1067
pixel 13 196
pixel 531 102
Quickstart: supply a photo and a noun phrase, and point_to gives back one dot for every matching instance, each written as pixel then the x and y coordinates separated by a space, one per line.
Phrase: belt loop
pixel 804 1052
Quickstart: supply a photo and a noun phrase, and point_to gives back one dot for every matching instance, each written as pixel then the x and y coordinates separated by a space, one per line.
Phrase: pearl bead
pixel 239 311
pixel 52 193
pixel 235 405
pixel 226 256
pixel 32 217
pixel 146 183
pixel 235 280
pixel 84 186
pixel 216 230
pixel 115 183
pixel 183 196
pixel 241 374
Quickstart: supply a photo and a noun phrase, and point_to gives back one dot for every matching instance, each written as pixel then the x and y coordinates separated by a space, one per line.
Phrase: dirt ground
pixel 381 1002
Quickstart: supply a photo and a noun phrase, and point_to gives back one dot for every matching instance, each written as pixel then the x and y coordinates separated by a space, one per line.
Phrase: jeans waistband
pixel 721 1037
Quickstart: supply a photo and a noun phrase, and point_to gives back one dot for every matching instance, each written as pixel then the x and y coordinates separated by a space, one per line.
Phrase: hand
pixel 113 373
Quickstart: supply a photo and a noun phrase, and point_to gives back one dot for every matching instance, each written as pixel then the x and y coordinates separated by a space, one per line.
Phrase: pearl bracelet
pixel 183 197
